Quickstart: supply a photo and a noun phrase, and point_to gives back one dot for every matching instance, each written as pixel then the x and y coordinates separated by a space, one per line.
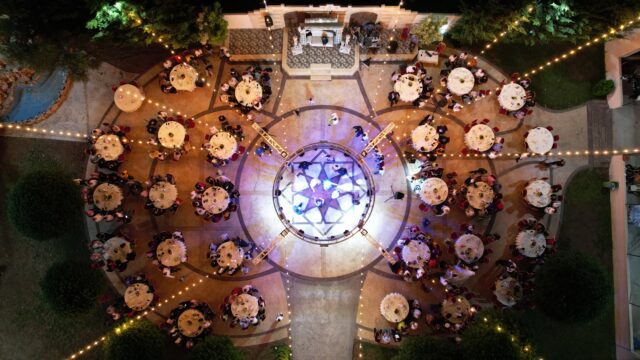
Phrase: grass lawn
pixel 560 86
pixel 586 227
pixel 376 352
pixel 29 329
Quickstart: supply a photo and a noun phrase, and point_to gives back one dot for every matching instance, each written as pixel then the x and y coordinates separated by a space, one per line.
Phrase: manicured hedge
pixel 215 348
pixel 140 341
pixel 71 286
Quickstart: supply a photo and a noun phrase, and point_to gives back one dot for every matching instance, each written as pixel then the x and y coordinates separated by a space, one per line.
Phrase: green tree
pixel 572 287
pixel 46 34
pixel 281 352
pixel 44 204
pixel 549 22
pixel 436 348
pixel 428 30
pixel 602 88
pixel 72 287
pixel 179 24
pixel 482 21
pixel 141 341
pixel 215 348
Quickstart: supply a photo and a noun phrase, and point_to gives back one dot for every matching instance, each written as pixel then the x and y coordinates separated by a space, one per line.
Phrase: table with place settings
pixel 531 243
pixel 480 195
pixel 138 296
pixel 215 200
pixel 538 193
pixel 191 323
pixel 480 138
pixel 508 291
pixel 456 310
pixel 425 138
pixel 128 98
pixel 512 97
pixel 460 81
pixel 245 306
pixel 247 92
pixel 469 248
pixel 107 197
pixel 434 191
pixel 116 249
pixel 416 253
pixel 171 135
pixel 108 147
pixel 408 86
pixel 163 194
pixel 183 77
pixel 230 255
pixel 539 140
pixel 222 145
pixel 394 307
pixel 171 252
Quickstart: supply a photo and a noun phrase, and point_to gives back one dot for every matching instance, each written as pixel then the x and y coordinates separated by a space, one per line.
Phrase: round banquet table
pixel 247 92
pixel 245 306
pixel 215 200
pixel 191 323
pixel 434 191
pixel 107 197
pixel 416 254
pixel 138 296
pixel 230 255
pixel 538 193
pixel 512 97
pixel 117 249
pixel 128 98
pixel 531 244
pixel 508 291
pixel 223 145
pixel 460 81
pixel 172 134
pixel 163 194
pixel 480 195
pixel 456 311
pixel 469 248
pixel 539 140
pixel 171 252
pixel 425 138
pixel 394 307
pixel 480 138
pixel 108 147
pixel 408 86
pixel 183 77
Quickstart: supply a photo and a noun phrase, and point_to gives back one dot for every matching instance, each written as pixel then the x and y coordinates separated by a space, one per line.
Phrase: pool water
pixel 35 99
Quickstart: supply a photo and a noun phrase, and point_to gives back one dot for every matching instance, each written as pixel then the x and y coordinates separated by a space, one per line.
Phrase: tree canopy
pixel 71 286
pixel 215 348
pixel 436 348
pixel 44 204
pixel 141 341
pixel 572 287
pixel 428 30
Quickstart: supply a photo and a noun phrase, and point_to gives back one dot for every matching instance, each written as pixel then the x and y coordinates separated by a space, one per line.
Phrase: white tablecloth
pixel 460 81
pixel 394 307
pixel 171 252
pixel 456 311
pixel 539 140
pixel 223 145
pixel 416 254
pixel 215 200
pixel 424 138
pixel 171 134
pixel 434 191
pixel 245 306
pixel 138 296
pixel 480 195
pixel 469 248
pixel 408 86
pixel 117 249
pixel 531 244
pixel 538 193
pixel 128 98
pixel 183 77
pixel 163 194
pixel 107 197
pixel 108 147
pixel 247 92
pixel 480 138
pixel 512 97
pixel 230 255
pixel 508 291
pixel 191 323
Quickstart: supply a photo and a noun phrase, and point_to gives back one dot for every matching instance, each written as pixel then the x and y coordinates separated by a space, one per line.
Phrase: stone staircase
pixel 320 72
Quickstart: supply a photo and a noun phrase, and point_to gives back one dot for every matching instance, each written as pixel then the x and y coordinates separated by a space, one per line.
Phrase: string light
pixel 119 329
pixel 502 34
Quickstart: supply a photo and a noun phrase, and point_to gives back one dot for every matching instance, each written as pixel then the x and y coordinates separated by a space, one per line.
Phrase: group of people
pixel 118 311
pixel 206 212
pixel 385 336
pixel 96 156
pixel 150 204
pixel 193 57
pixel 123 181
pixel 253 72
pixel 530 98
pixel 108 258
pixel 420 153
pixel 479 77
pixel 495 205
pixel 213 255
pixel 498 143
pixel 415 271
pixel 162 153
pixel 171 324
pixel 235 131
pixel 243 322
pixel 421 74
pixel 152 254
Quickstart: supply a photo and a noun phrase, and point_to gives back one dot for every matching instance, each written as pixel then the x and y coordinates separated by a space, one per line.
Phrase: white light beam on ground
pixel 272 245
pixel 270 140
pixel 381 136
pixel 378 246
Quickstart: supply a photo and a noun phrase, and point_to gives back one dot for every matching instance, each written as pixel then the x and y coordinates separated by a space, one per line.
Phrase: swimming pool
pixel 30 101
